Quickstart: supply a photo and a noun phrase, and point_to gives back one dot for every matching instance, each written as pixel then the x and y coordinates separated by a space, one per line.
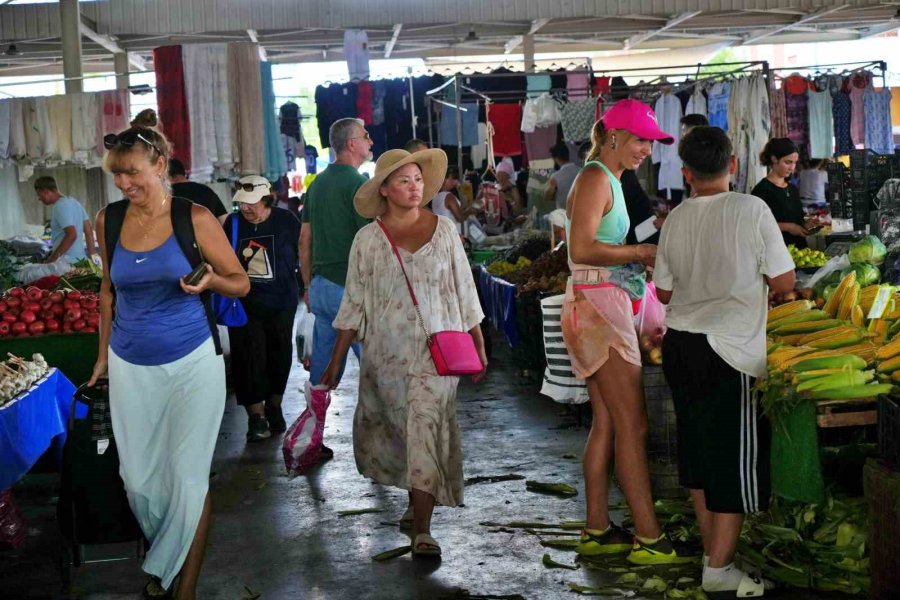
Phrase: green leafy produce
pixel 866 274
pixel 8 266
pixel 561 489
pixel 868 250
pixel 552 564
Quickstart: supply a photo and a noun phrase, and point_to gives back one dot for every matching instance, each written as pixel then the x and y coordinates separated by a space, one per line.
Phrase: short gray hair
pixel 341 131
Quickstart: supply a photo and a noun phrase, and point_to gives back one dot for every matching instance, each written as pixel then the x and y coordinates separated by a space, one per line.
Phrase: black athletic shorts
pixel 723 437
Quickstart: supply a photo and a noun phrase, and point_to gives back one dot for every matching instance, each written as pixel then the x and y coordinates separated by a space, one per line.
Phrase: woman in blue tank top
pixel 166 382
pixel 598 328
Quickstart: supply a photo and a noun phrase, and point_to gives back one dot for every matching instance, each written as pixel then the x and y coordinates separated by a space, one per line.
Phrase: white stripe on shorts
pixel 749 447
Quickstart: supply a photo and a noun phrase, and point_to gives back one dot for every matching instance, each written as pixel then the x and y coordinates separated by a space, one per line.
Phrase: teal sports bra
pixel 614 225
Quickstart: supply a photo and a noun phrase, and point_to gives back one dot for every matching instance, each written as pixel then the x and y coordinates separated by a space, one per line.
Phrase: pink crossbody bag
pixel 453 352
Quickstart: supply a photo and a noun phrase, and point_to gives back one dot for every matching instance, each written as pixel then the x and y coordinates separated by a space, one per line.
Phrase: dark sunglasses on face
pixel 127 140
pixel 249 187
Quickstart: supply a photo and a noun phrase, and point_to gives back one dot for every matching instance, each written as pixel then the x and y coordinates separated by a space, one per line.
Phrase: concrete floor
pixel 283 539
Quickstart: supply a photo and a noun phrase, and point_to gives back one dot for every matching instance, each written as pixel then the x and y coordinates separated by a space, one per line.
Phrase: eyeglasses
pixel 362 137
pixel 127 140
pixel 249 187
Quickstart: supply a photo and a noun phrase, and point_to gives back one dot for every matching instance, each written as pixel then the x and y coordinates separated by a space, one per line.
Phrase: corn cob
pixel 850 299
pixel 867 297
pixel 781 357
pixel 870 390
pixel 779 312
pixel 865 350
pixel 893 330
pixel 888 366
pixel 807 327
pixel 772 346
pixel 857 317
pixel 826 333
pixel 845 378
pixel 889 350
pixel 797 358
pixel 798 317
pixel 834 302
pixel 792 340
pixel 839 341
pixel 841 361
pixel 895 376
pixel 879 329
pixel 818 373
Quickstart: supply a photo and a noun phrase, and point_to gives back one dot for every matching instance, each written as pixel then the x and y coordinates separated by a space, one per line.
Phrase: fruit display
pixel 35 312
pixel 504 270
pixel 548 273
pixel 17 375
pixel 835 351
pixel 807 257
pixel 531 246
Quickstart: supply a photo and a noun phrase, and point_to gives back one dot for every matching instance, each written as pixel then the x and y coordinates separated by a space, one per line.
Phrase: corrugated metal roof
pixel 293 31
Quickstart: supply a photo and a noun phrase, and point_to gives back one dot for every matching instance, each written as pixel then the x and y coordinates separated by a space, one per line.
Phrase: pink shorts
pixel 598 318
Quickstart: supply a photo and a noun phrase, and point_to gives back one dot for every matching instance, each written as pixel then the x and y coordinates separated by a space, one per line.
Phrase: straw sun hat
pixel 369 202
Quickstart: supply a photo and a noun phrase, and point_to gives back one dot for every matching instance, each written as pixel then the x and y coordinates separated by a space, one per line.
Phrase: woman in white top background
pixel 446 204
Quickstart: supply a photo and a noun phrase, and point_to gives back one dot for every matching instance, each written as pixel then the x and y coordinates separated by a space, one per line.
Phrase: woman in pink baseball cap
pixel 602 296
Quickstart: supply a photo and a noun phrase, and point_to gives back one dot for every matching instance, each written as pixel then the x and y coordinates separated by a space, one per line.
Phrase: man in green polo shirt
pixel 329 225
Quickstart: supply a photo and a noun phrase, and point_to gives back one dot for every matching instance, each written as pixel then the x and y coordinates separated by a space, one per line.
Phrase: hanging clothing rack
pixel 848 66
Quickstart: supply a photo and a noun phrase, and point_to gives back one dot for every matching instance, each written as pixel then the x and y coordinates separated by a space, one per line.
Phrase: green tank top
pixel 614 225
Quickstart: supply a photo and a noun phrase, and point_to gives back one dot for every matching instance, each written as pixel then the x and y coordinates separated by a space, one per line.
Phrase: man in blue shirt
pixel 70 227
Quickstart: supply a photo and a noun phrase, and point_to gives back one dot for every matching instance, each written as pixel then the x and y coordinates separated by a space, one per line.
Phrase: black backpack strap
pixel 114 217
pixel 183 226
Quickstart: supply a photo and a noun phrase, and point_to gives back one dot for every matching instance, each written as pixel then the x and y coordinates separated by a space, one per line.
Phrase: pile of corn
pixel 838 352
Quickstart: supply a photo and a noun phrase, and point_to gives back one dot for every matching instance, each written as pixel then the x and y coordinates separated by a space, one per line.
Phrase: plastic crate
pixel 889 430
pixel 882 489
pixel 662 438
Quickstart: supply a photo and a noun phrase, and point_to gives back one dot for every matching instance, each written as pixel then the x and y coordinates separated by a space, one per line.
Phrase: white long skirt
pixel 166 421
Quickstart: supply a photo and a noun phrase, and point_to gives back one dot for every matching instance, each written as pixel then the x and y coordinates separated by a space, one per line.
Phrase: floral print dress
pixel 405 432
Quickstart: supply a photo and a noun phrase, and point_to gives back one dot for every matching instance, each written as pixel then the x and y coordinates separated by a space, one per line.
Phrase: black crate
pixel 889 430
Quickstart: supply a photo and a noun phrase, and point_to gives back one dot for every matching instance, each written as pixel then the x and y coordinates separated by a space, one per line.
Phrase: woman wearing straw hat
pixel 405 432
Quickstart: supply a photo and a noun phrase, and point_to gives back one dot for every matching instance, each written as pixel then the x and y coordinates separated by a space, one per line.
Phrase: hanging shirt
pixel 696 104
pixel 841 113
pixel 537 147
pixel 289 120
pixel 311 154
pixel 857 115
pixel 778 113
pixel 577 85
pixel 468 121
pixel 378 91
pixel 668 115
pixel 356 53
pixel 821 126
pixel 578 119
pixel 537 85
pixel 364 93
pixel 879 132
pixel 717 105
pixel 4 128
pixel 798 121
pixel 17 128
pixel 506 120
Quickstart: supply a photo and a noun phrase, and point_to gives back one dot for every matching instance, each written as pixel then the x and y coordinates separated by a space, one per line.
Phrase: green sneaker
pixel 660 552
pixel 615 540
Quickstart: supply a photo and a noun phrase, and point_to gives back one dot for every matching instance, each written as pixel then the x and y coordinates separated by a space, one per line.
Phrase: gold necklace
pixel 149 230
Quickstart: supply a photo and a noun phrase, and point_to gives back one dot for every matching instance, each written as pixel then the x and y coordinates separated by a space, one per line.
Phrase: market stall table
pixel 498 300
pixel 32 422
pixel 73 353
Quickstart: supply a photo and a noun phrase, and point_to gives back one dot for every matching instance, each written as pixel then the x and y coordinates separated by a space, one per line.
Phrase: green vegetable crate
pixel 882 489
pixel 889 430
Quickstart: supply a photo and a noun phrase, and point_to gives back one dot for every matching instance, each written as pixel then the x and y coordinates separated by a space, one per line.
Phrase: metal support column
pixel 412 102
pixel 528 51
pixel 70 34
pixel 459 146
pixel 121 64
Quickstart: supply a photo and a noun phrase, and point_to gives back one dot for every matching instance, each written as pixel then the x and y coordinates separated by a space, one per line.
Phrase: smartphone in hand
pixel 194 277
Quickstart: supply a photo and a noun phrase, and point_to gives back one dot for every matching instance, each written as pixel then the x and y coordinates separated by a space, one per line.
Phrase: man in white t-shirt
pixel 719 254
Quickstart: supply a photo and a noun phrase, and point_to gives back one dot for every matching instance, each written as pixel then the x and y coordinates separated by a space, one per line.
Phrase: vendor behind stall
pixel 780 156
pixel 70 227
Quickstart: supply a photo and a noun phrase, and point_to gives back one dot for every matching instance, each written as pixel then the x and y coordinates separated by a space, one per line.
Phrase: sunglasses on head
pixel 127 140
pixel 249 187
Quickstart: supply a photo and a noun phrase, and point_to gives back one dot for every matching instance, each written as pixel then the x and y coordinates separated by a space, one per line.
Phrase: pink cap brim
pixel 642 131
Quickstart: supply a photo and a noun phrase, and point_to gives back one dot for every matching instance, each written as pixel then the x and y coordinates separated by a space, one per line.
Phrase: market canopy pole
pixel 70 35
pixel 121 64
pixel 528 50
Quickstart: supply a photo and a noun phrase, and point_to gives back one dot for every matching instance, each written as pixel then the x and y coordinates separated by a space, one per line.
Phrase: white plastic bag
pixel 304 340
pixel 35 271
pixel 837 263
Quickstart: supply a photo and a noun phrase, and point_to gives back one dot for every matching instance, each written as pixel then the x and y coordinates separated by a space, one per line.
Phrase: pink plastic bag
pixel 650 321
pixel 303 439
